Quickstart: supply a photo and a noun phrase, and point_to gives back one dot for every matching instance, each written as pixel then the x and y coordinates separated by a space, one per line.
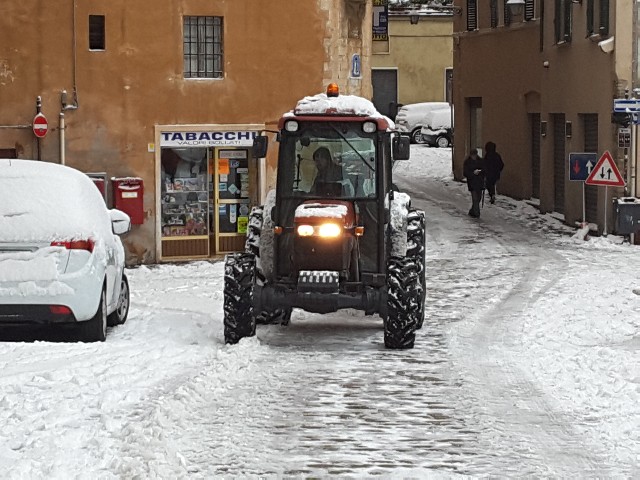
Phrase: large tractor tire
pixel 252 245
pixel 239 272
pixel 403 296
pixel 416 251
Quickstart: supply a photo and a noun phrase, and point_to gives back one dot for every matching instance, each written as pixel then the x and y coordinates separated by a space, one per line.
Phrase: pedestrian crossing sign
pixel 605 173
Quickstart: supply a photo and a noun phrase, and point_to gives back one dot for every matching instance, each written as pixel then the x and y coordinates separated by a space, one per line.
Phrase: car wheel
pixel 416 136
pixel 95 330
pixel 119 315
pixel 442 141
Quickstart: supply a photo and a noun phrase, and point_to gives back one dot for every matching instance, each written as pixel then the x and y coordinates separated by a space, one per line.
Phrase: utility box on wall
pixel 627 211
pixel 128 195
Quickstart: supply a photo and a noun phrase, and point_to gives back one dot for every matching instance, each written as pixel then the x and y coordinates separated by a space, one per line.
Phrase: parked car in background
pixel 411 118
pixel 61 260
pixel 438 129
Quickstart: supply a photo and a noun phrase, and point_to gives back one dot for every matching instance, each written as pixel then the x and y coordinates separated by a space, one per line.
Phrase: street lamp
pixel 515 6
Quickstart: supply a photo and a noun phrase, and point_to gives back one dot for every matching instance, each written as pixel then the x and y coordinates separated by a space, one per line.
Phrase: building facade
pixel 415 63
pixel 541 83
pixel 162 100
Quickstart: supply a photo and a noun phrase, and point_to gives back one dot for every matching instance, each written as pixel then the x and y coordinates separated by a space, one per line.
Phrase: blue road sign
pixel 581 165
pixel 626 105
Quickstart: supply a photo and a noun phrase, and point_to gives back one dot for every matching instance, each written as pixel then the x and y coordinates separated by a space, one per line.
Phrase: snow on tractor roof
pixel 343 104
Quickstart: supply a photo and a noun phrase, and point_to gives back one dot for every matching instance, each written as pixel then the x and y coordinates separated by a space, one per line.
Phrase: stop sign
pixel 40 125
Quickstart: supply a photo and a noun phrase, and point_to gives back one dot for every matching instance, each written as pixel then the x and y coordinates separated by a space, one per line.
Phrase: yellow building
pixel 415 64
pixel 165 98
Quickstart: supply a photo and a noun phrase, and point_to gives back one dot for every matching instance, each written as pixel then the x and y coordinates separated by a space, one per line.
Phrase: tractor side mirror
pixel 401 147
pixel 260 146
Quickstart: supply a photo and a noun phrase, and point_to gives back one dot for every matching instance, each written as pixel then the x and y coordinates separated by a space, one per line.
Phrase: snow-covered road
pixel 528 365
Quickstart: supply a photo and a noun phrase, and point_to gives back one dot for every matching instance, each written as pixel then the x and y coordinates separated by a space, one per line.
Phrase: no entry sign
pixel 40 125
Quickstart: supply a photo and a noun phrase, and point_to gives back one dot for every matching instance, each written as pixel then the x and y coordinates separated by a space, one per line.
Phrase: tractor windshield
pixel 336 160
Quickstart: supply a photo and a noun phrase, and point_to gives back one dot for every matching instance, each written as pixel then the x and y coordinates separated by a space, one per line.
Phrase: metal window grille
pixel 203 47
pixel 562 20
pixel 472 15
pixel 590 17
pixel 96 32
pixel 603 28
pixel 493 8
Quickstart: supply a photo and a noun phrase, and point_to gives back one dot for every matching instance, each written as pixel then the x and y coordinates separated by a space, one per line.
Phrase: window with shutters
pixel 598 18
pixel 562 21
pixel 472 15
pixel 529 10
pixel 493 8
pixel 507 14
pixel 202 43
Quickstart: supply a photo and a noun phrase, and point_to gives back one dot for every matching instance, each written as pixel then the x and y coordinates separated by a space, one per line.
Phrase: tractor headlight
pixel 291 126
pixel 305 230
pixel 369 127
pixel 329 230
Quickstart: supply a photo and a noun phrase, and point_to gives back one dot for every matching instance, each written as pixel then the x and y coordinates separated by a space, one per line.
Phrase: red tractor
pixel 335 233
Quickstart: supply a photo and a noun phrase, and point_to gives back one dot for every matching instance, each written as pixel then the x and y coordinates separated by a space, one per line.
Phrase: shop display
pixel 185 207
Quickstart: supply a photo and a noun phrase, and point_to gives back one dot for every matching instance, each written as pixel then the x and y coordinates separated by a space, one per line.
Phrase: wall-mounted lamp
pixel 515 6
pixel 568 129
pixel 543 128
pixel 414 19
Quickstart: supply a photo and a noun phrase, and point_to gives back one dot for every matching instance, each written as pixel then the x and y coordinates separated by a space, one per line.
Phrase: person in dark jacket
pixel 474 171
pixel 494 165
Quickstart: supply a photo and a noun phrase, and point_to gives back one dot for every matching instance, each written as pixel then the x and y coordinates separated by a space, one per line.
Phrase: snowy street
pixel 528 364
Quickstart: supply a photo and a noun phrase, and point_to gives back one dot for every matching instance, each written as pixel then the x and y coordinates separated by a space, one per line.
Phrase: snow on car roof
pixel 342 104
pixel 439 119
pixel 42 201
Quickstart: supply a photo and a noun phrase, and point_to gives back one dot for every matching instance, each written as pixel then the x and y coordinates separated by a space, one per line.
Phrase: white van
pixel 438 128
pixel 411 118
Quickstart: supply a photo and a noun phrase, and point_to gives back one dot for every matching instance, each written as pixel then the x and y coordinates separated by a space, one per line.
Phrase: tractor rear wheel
pixel 403 296
pixel 239 273
pixel 416 251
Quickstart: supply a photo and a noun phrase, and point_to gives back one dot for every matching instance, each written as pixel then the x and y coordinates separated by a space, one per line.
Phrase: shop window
pixel 96 32
pixel 563 20
pixel 598 18
pixel 203 47
pixel 185 192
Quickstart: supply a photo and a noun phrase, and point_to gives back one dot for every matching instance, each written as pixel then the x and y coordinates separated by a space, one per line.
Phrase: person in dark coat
pixel 328 171
pixel 494 165
pixel 474 171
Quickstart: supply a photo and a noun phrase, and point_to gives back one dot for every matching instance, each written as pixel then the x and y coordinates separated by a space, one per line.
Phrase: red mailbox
pixel 128 196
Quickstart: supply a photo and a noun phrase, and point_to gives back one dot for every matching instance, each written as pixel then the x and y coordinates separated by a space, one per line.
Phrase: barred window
pixel 203 47
pixel 529 10
pixel 507 14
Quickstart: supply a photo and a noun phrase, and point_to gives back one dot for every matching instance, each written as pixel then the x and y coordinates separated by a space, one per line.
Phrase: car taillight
pixel 75 245
pixel 59 310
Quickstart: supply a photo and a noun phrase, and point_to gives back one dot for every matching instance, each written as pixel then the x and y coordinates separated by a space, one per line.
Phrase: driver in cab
pixel 328 171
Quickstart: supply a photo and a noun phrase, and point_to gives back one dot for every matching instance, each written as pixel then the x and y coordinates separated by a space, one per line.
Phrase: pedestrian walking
pixel 494 165
pixel 474 171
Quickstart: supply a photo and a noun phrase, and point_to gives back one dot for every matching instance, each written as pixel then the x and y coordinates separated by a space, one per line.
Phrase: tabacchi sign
pixel 207 139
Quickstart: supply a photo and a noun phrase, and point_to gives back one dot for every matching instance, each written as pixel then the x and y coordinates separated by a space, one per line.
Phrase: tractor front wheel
pixel 239 273
pixel 416 251
pixel 403 296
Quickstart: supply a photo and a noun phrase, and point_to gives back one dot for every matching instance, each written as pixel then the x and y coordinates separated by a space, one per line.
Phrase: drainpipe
pixel 63 95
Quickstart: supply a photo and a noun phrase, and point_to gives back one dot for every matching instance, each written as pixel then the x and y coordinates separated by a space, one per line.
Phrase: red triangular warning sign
pixel 605 173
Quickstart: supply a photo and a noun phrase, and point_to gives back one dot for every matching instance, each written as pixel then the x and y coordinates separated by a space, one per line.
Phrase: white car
pixel 411 118
pixel 438 128
pixel 61 260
